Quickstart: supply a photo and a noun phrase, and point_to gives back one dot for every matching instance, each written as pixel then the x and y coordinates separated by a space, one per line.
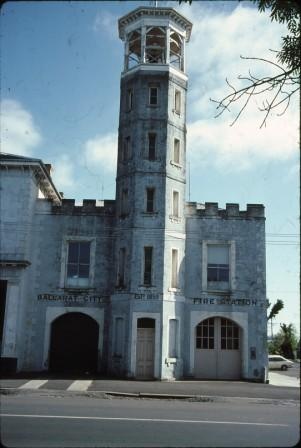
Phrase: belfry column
pixel 150 192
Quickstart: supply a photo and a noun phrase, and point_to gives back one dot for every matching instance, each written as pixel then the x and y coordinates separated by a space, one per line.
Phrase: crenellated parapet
pixel 88 207
pixel 232 211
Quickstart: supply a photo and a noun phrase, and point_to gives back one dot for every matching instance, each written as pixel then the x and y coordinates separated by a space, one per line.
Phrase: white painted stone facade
pixel 36 234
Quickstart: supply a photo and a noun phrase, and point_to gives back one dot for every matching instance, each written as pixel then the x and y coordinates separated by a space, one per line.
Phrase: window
pixel 126 150
pixel 119 337
pixel 148 260
pixel 121 268
pixel 150 200
pixel 173 338
pixel 129 100
pixel 152 146
pixel 229 335
pixel 78 263
pixel 124 202
pixel 174 268
pixel 176 151
pixel 175 203
pixel 153 96
pixel 178 101
pixel 218 263
pixel 205 334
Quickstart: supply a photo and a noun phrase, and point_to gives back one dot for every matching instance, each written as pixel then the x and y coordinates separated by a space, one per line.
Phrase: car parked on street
pixel 279 362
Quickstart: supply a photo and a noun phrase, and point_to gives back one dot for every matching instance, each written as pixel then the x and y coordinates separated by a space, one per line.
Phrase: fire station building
pixel 146 285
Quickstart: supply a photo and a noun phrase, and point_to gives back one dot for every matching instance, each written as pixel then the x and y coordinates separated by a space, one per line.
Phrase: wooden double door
pixel 217 349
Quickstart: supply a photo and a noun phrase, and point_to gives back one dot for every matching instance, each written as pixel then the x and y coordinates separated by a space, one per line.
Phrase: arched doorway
pixel 145 358
pixel 218 349
pixel 73 344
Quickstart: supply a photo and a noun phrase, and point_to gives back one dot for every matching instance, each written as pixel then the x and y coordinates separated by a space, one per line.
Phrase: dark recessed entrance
pixel 73 344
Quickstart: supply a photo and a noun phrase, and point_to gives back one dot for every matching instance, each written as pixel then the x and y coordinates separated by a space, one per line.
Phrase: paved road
pixel 43 421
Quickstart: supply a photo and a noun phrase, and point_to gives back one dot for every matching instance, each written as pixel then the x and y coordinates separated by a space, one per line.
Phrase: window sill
pixel 175 219
pixel 79 288
pixel 149 214
pixel 170 361
pixel 176 165
pixel 176 290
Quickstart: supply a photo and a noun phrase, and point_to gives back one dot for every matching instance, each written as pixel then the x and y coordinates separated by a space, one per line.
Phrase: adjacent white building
pixel 147 285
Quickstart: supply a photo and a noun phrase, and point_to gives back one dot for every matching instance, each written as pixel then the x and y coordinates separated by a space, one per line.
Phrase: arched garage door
pixel 74 344
pixel 217 349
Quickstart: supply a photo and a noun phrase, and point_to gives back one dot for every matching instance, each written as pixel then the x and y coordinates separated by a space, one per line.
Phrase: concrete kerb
pixel 151 396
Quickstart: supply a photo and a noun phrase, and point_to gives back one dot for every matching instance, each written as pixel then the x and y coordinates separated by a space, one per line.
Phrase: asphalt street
pixel 70 421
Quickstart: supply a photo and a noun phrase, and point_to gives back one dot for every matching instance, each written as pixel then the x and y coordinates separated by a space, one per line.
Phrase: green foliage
pixel 288 13
pixel 285 342
pixel 275 309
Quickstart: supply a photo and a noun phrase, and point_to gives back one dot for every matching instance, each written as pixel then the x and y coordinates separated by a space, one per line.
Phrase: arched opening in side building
pixel 218 344
pixel 73 344
pixel 145 354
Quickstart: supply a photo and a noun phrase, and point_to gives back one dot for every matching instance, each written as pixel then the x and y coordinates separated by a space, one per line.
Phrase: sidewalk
pixel 281 387
pixel 276 379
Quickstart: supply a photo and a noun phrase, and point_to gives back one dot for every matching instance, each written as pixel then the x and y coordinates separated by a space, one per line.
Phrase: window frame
pixel 150 200
pixel 175 204
pixel 121 271
pixel 150 96
pixel 63 283
pixel 129 99
pixel 124 202
pixel 126 148
pixel 148 272
pixel 174 280
pixel 232 266
pixel 178 101
pixel 154 148
pixel 177 162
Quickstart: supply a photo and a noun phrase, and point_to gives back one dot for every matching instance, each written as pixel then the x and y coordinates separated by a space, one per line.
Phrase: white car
pixel 278 362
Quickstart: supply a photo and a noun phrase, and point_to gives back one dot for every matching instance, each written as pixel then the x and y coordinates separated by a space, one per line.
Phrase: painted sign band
pixel 71 298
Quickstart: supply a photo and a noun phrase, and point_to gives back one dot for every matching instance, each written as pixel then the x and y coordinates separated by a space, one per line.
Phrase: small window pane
pixel 211 343
pixel 72 270
pixel 153 96
pixel 73 252
pixel 83 271
pixel 84 254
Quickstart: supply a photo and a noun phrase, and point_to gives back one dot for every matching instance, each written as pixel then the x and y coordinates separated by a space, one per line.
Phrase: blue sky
pixel 60 74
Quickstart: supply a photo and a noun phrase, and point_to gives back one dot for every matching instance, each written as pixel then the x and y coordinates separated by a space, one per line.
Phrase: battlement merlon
pixel 232 211
pixel 88 207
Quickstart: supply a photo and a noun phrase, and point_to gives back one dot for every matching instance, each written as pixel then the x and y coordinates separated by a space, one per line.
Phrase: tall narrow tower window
pixel 176 151
pixel 178 101
pixel 124 202
pixel 121 268
pixel 174 268
pixel 152 146
pixel 150 200
pixel 153 96
pixel 175 203
pixel 126 150
pixel 129 100
pixel 148 261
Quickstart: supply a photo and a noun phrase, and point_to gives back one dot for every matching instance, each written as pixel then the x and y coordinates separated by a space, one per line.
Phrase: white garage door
pixel 217 349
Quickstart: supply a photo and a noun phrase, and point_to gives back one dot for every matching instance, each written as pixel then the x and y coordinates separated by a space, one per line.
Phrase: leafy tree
pixel 285 342
pixel 289 342
pixel 275 309
pixel 277 89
